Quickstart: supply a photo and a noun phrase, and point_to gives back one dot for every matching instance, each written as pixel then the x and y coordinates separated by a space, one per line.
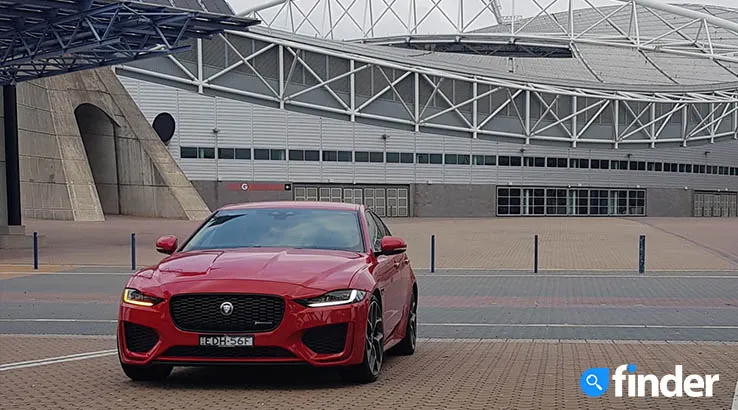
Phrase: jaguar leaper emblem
pixel 226 308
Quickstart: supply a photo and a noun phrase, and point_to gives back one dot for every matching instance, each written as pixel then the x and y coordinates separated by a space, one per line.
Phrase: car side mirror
pixel 392 245
pixel 166 244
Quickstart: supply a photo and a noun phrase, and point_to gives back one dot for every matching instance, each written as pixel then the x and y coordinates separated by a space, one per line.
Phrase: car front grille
pixel 241 352
pixel 250 313
pixel 329 339
pixel 139 339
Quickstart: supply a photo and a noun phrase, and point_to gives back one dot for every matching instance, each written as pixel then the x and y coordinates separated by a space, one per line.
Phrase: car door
pixel 401 281
pixel 384 273
pixel 394 298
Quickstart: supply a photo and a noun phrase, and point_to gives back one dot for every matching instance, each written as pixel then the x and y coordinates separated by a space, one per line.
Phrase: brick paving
pixel 15 349
pixel 443 374
pixel 577 244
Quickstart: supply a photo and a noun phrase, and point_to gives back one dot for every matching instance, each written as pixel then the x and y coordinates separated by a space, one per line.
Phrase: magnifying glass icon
pixel 591 380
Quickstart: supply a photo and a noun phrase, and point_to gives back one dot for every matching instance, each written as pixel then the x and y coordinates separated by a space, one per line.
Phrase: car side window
pixel 374 234
pixel 382 226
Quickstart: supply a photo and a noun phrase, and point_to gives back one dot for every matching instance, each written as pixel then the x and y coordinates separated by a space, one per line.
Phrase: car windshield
pixel 280 228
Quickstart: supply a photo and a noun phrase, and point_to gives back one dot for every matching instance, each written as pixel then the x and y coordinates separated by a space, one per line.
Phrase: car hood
pixel 316 269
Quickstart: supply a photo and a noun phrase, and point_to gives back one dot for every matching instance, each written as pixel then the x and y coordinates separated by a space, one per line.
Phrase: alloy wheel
pixel 375 339
pixel 412 327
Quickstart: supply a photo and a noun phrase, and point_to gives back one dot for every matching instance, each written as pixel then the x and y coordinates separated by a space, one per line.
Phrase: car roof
pixel 336 206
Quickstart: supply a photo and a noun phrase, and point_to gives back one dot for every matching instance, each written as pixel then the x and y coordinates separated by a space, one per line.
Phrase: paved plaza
pixel 493 333
pixel 463 374
pixel 573 244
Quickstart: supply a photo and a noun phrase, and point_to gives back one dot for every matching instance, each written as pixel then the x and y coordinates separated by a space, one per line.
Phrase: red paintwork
pixel 393 244
pixel 166 244
pixel 289 273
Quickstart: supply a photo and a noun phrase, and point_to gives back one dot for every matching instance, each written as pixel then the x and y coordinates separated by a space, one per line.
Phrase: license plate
pixel 226 341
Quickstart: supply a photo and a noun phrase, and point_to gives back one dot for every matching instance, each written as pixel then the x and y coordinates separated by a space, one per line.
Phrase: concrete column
pixel 12 165
pixel 3 193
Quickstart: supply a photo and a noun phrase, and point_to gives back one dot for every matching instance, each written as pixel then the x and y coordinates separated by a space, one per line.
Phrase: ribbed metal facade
pixel 214 122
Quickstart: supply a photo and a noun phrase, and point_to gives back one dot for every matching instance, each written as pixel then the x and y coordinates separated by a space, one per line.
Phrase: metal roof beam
pixel 95 33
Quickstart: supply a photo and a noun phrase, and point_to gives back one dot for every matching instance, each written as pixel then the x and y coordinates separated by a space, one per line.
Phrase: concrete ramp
pixel 87 151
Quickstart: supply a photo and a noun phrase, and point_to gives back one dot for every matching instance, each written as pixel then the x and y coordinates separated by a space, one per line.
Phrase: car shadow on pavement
pixel 272 377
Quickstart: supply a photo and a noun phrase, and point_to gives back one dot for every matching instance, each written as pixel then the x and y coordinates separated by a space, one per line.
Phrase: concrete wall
pixel 669 202
pixel 445 200
pixel 217 194
pixel 65 176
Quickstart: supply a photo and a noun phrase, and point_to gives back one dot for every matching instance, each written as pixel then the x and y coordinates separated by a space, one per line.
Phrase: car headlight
pixel 135 297
pixel 335 298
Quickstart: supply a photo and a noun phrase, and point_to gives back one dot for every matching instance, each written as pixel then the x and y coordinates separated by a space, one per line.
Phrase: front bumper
pixel 284 344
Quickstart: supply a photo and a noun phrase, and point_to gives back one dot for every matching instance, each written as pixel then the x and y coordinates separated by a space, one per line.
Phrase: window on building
pixel 261 154
pixel 226 153
pixel 361 156
pixel 234 153
pixel 243 153
pixel 304 155
pixel 344 156
pixel 429 158
pixel 508 201
pixel 197 152
pixel 399 158
pixel 578 163
pixel 270 154
pixel 457 159
pixel 503 161
pixel 571 202
pixel 277 154
pixel 376 157
pixel 562 162
pixel 516 161
pixel 188 152
pixel 297 155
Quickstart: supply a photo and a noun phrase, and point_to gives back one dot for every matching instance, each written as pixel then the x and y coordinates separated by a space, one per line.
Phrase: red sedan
pixel 283 282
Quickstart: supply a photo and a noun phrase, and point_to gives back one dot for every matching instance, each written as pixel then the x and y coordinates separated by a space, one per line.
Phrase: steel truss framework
pixel 286 73
pixel 40 38
pixel 628 24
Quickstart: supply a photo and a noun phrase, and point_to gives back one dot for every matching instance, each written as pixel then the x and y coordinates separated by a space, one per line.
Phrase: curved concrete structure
pixel 86 151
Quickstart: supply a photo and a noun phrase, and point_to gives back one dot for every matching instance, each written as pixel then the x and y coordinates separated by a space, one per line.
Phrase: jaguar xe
pixel 317 283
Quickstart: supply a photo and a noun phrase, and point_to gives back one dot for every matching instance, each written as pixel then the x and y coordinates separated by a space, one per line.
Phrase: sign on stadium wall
pixel 253 186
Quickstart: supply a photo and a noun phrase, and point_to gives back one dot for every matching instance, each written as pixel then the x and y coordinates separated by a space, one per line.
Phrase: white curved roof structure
pixel 634 72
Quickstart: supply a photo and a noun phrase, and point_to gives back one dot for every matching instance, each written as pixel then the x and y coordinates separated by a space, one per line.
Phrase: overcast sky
pixel 524 7
pixel 435 22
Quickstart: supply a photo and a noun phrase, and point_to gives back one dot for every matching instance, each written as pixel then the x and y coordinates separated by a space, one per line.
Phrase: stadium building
pixel 625 109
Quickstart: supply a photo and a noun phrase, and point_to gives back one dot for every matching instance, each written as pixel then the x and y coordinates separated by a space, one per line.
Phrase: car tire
pixel 368 370
pixel 408 344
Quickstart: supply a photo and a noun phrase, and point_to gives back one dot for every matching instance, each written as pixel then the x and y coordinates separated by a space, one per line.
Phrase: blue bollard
pixel 35 250
pixel 433 253
pixel 535 255
pixel 642 255
pixel 133 251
